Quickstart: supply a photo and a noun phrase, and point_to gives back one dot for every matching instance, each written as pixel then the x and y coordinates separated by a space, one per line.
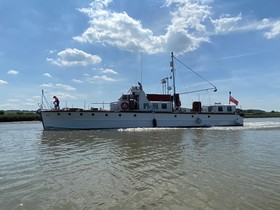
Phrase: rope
pixel 201 77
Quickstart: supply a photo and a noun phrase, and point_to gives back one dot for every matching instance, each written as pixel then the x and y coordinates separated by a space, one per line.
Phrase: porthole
pixel 58 113
pixel 175 115
pixel 208 116
pixel 81 114
pixel 92 114
pixel 192 116
pixel 106 115
pixel 134 115
pixel 120 115
pixel 69 114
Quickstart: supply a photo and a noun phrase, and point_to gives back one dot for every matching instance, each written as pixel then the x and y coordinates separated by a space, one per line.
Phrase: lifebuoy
pixel 124 105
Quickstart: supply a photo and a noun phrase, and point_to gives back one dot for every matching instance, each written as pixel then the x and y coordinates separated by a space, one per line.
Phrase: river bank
pixel 255 113
pixel 19 116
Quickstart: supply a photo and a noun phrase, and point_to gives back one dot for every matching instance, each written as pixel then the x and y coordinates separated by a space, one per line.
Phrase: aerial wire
pixel 201 77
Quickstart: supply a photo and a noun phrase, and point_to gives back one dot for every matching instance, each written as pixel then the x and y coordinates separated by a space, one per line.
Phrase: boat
pixel 136 109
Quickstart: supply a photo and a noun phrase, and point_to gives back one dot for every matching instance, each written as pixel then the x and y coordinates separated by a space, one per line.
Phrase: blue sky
pixel 92 51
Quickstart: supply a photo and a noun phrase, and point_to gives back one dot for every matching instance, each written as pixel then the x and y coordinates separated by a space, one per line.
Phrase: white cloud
pixel 185 33
pixel 52 51
pixel 120 30
pixel 226 23
pixel 36 97
pixel 49 85
pixel 92 79
pixel 29 100
pixel 13 100
pixel 62 95
pixel 47 75
pixel 74 57
pixel 106 78
pixel 274 30
pixel 108 71
pixel 66 96
pixel 14 72
pixel 192 24
pixel 3 82
pixel 60 86
pixel 103 77
pixel 65 87
pixel 77 81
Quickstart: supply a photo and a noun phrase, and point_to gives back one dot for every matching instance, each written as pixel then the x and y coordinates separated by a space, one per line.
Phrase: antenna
pixel 141 66
pixel 163 83
pixel 42 99
pixel 175 96
pixel 173 73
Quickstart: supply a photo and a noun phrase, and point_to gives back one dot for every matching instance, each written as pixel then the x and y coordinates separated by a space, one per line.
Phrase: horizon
pixel 86 51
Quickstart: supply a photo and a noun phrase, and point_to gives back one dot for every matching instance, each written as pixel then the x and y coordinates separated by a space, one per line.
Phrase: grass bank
pixel 19 116
pixel 255 113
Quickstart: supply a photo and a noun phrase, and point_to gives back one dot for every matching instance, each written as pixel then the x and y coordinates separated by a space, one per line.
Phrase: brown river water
pixel 202 168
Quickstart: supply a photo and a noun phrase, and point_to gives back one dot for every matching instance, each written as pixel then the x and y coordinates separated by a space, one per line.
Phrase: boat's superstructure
pixel 138 109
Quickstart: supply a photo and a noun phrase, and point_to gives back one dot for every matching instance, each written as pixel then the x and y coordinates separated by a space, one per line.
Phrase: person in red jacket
pixel 56 102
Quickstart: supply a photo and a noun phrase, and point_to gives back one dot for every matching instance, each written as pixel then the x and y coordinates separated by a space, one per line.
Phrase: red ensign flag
pixel 233 100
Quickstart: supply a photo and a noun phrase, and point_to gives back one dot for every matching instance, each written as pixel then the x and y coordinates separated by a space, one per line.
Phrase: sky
pixel 89 52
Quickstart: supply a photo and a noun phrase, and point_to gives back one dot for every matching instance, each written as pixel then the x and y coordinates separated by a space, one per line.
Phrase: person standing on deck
pixel 56 102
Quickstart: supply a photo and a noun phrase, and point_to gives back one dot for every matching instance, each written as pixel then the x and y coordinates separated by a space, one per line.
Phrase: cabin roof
pixel 159 97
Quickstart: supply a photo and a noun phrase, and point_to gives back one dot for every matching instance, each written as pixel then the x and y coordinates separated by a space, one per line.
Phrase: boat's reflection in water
pixel 158 168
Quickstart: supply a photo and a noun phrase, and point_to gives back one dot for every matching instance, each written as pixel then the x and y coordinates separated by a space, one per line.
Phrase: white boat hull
pixel 114 120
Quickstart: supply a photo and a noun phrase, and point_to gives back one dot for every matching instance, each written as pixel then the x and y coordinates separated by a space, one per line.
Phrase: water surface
pixel 202 168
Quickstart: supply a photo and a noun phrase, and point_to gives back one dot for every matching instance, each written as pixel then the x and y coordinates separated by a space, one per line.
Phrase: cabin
pixel 219 108
pixel 137 100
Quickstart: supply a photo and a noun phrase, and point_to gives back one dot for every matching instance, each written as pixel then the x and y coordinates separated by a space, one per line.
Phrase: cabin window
pixel 210 108
pixel 220 108
pixel 155 105
pixel 229 109
pixel 164 106
pixel 125 97
pixel 146 105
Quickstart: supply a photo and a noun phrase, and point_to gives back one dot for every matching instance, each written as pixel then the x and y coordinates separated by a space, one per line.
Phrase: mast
pixel 173 77
pixel 42 100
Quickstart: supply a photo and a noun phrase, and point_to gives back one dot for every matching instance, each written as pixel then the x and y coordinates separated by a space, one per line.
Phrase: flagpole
pixel 229 97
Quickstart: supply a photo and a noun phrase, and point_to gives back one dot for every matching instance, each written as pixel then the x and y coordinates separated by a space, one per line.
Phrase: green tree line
pixel 256 113
pixel 18 116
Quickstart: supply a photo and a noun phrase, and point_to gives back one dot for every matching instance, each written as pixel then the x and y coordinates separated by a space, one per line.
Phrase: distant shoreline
pixel 19 116
pixel 261 116
pixel 32 116
pixel 254 113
